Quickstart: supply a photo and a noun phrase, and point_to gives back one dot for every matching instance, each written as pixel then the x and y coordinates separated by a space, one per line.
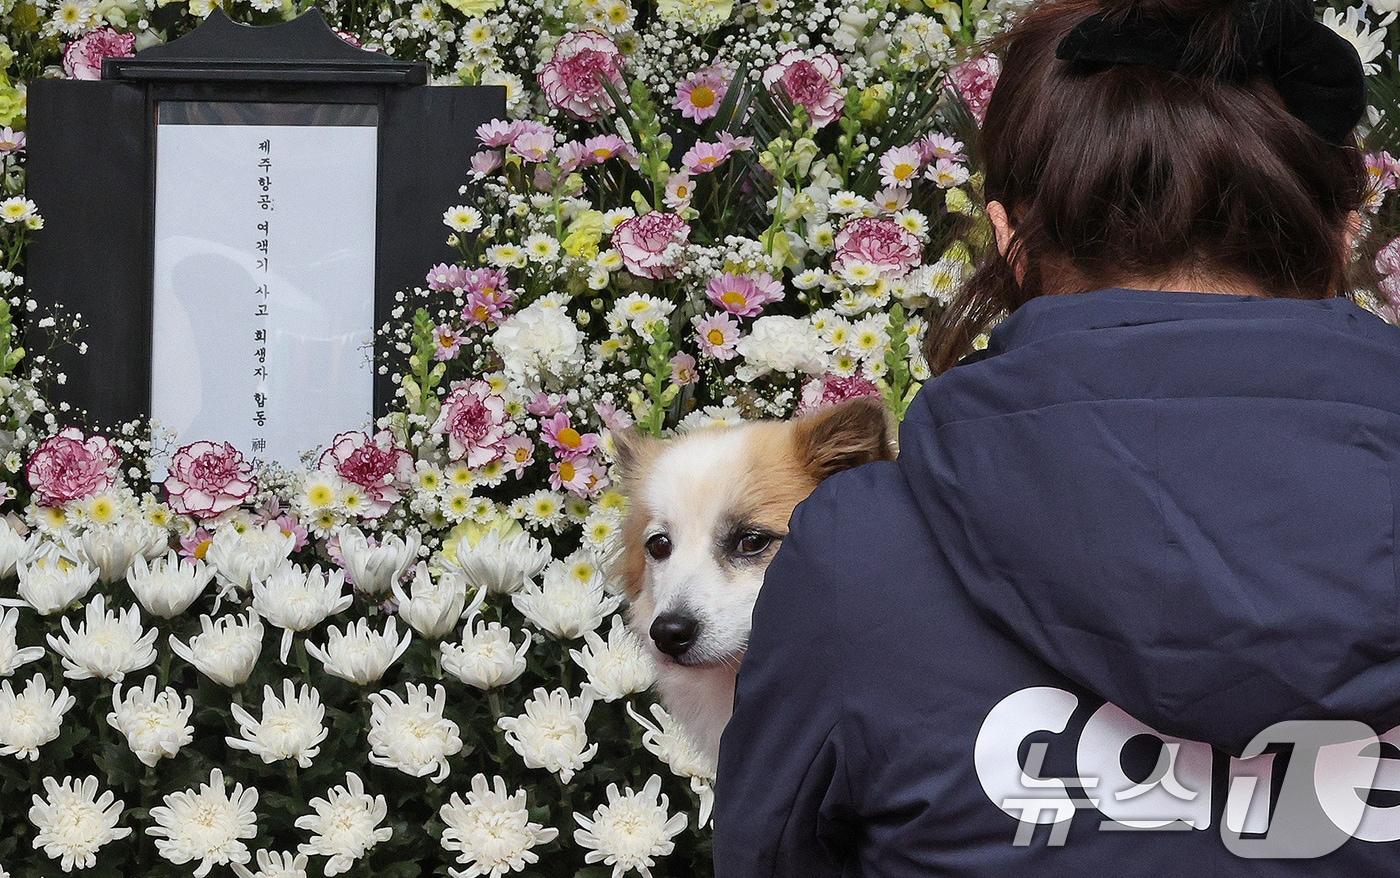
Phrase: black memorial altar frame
pixel 92 161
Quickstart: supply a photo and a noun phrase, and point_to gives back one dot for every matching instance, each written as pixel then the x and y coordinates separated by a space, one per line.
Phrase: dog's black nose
pixel 674 633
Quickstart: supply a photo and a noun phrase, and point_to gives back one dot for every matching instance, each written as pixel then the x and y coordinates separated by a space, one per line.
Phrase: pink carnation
pixel 832 389
pixel 207 478
pixel 812 82
pixel 573 79
pixel 474 421
pixel 974 80
pixel 879 242
pixel 643 241
pixel 744 295
pixel 375 463
pixel 68 467
pixel 82 58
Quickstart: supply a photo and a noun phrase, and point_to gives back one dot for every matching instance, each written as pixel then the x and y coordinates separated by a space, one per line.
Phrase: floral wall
pixel 407 657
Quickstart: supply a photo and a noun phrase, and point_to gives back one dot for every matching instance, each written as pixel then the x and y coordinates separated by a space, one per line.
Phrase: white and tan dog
pixel 707 512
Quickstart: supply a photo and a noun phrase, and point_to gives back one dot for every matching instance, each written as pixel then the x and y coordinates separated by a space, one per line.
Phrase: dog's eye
pixel 659 546
pixel 752 542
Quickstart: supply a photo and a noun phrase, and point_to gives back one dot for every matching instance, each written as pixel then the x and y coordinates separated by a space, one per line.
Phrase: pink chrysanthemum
pixel 900 166
pixel 573 79
pixel 612 417
pixel 811 81
pixel 518 454
pixel 487 161
pixel 699 95
pixel 939 146
pixel 705 157
pixel 580 476
pixel 443 278
pixel 497 132
pixel 683 369
pixel 744 295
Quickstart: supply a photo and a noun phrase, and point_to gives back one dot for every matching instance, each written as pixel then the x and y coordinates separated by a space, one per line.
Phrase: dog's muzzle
pixel 675 633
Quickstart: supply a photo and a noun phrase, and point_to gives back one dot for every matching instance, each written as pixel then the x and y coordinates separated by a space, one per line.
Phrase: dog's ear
pixel 843 435
pixel 632 449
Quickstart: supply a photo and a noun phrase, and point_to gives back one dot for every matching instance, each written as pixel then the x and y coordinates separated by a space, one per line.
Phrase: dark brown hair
pixel 1129 171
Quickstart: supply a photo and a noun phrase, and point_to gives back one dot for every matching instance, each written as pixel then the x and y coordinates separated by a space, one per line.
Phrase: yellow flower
pixel 474 8
pixel 585 231
pixel 473 531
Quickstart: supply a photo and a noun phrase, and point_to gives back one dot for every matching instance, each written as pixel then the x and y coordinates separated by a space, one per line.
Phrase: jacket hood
pixel 1183 502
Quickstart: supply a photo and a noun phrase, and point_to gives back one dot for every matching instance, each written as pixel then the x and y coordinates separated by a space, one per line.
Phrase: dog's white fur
pixel 700 490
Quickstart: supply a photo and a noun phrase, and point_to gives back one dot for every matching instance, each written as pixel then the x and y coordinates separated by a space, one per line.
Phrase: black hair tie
pixel 1317 72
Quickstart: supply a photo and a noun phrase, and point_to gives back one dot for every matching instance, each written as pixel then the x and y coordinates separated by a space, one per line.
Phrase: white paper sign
pixel 264 284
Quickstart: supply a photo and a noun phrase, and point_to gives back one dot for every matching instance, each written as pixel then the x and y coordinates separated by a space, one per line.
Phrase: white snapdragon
pixel 167 586
pixel 412 734
pixel 156 724
pixel 551 733
pixel 291 727
pixel 226 649
pixel 486 657
pixel 105 644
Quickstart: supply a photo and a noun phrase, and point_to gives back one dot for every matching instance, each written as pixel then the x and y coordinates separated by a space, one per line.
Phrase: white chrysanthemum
pixel 567 604
pixel 274 864
pixel 780 343
pixel 11 655
pixel 552 733
pixel 15 549
pixel 240 556
pixel 156 725
pixel 113 548
pixel 106 645
pixel 1353 26
pixel 298 600
pixel 412 735
pixel 485 658
pixel 31 718
pixel 631 830
pixel 74 822
pixel 372 567
pixel 207 824
pixel 539 341
pixel 167 586
pixel 501 560
pixel 292 727
pixel 360 654
pixel 226 649
pixel 710 416
pixel 345 825
pixel 491 832
pixel 52 580
pixel 667 741
pixel 435 607
pixel 616 667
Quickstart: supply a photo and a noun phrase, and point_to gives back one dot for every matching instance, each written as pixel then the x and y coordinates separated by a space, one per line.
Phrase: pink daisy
pixel 443 278
pixel 718 334
pixel 559 434
pixel 580 476
pixel 705 157
pixel 449 343
pixel 899 166
pixel 743 295
pixel 699 95
pixel 519 454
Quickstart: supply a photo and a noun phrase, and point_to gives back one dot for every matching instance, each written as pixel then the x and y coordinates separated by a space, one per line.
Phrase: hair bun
pixel 1317 71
